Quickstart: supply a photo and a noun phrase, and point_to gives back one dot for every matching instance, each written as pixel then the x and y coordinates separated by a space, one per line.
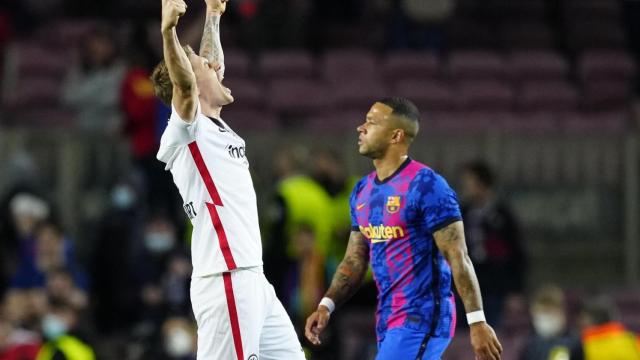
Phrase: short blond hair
pixel 162 85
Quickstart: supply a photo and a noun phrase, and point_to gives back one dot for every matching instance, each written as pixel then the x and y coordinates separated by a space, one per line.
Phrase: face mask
pixel 179 343
pixel 159 242
pixel 548 325
pixel 122 197
pixel 53 327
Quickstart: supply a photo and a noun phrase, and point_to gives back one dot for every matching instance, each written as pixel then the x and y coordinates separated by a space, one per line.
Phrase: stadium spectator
pixel 603 336
pixel 16 343
pixel 118 233
pixel 161 272
pixel 300 203
pixel 24 212
pixel 551 339
pixel 176 340
pixel 330 173
pixel 24 309
pixel 141 109
pixel 52 252
pixel 59 328
pixel 61 286
pixel 493 238
pixel 92 85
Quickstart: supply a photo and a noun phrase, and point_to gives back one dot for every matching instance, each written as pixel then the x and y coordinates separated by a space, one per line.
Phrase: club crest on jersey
pixel 393 204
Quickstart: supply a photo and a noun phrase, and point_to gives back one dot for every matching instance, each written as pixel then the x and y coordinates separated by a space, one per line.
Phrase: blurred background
pixel 529 109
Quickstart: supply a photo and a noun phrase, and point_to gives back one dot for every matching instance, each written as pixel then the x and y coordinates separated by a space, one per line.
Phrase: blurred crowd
pixel 127 296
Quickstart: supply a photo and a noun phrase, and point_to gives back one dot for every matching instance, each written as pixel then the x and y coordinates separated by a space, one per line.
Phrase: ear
pixel 398 136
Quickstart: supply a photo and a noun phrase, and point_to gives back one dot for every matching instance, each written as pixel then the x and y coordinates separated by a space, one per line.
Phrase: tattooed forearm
pixel 351 270
pixel 210 45
pixel 451 243
pixel 466 282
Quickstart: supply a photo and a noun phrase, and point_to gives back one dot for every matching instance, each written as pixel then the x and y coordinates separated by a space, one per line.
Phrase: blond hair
pixel 162 85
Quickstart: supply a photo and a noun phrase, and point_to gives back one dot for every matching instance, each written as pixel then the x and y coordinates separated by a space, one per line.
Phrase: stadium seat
pixel 606 65
pixel 246 92
pixel 33 92
pixel 461 122
pixel 358 94
pixel 54 116
pixel 538 65
pixel 297 97
pixel 548 96
pixel 485 95
pixel 67 33
pixel 237 63
pixel 245 121
pixel 286 64
pixel 410 65
pixel 38 59
pixel 607 95
pixel 530 123
pixel 336 122
pixel 596 123
pixel 427 95
pixel 340 66
pixel 474 65
pixel 627 301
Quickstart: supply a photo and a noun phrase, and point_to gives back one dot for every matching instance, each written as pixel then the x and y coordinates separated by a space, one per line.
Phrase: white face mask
pixel 548 324
pixel 53 327
pixel 179 343
pixel 159 242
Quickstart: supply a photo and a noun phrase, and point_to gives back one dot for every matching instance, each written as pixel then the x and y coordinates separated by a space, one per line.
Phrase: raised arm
pixel 345 283
pixel 451 243
pixel 210 45
pixel 185 95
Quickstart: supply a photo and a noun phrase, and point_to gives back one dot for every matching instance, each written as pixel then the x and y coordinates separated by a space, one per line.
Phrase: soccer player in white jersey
pixel 238 314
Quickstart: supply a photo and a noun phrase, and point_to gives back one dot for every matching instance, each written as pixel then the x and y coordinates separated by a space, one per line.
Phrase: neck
pixel 211 111
pixel 389 163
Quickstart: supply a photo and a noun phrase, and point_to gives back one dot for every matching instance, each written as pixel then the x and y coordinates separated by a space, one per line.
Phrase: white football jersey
pixel 209 166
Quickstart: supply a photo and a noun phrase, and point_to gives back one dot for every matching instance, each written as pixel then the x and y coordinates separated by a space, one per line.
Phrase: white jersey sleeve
pixel 178 133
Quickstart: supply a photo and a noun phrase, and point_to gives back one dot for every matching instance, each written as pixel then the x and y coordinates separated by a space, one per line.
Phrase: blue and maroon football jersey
pixel 397 217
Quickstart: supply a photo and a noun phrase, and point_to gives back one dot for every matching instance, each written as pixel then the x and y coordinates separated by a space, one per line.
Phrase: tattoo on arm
pixel 451 242
pixel 351 270
pixel 210 45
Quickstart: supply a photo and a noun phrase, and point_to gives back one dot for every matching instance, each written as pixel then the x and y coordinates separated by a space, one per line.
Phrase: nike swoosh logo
pixel 223 130
pixel 360 206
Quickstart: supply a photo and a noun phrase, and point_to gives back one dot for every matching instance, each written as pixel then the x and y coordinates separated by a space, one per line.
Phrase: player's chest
pixel 223 146
pixel 385 214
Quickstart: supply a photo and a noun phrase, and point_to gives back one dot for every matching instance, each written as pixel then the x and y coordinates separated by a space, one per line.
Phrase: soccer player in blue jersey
pixel 406 223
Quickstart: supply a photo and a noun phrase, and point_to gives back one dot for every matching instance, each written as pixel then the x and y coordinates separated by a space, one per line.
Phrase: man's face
pixel 376 132
pixel 209 81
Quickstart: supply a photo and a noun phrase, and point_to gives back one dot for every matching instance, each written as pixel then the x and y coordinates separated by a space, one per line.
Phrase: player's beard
pixel 372 152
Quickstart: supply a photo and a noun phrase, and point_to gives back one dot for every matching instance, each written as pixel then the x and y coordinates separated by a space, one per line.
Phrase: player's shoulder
pixel 177 119
pixel 360 184
pixel 427 177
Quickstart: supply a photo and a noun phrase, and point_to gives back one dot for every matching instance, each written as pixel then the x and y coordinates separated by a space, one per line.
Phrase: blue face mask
pixel 53 327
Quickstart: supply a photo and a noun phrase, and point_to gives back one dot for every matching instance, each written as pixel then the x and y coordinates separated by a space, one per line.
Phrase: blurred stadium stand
pixel 544 90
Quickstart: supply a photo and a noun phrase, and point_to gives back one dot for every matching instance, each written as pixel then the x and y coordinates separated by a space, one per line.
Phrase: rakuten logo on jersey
pixel 236 152
pixel 381 233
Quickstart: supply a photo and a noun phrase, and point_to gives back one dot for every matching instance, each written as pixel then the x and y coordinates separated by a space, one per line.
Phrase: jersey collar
pixel 400 168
